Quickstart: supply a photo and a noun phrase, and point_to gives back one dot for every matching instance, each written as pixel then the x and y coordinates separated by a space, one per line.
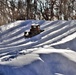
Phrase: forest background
pixel 13 10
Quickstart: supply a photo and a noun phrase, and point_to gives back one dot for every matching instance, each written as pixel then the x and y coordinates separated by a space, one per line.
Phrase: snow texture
pixel 52 52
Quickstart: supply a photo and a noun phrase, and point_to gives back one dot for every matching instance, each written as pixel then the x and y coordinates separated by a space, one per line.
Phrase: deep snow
pixel 52 52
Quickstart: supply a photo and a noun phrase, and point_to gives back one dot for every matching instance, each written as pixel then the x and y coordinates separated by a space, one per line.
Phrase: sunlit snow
pixel 52 52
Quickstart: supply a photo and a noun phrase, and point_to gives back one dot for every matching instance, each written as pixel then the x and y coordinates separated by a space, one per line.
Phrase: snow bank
pixel 52 52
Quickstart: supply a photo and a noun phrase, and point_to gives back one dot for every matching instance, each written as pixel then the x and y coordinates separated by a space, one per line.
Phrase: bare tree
pixel 12 10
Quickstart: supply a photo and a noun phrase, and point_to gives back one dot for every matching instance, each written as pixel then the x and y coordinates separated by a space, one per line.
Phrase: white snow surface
pixel 52 52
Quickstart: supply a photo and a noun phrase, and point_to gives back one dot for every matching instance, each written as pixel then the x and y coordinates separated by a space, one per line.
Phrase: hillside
pixel 52 52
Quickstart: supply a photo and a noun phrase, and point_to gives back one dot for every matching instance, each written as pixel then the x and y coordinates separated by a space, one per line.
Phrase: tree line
pixel 12 10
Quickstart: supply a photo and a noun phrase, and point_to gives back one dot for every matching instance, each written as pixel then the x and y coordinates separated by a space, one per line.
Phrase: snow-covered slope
pixel 52 52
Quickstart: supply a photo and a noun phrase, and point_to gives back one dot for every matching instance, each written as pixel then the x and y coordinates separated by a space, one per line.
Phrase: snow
pixel 52 52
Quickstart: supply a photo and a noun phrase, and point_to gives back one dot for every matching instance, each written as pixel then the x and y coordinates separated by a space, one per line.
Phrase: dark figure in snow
pixel 35 29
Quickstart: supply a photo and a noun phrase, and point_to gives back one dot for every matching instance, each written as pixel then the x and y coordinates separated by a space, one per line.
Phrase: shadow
pixel 22 30
pixel 55 34
pixel 51 64
pixel 68 45
pixel 16 27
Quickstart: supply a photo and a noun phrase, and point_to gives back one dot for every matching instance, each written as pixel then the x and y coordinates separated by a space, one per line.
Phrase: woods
pixel 12 10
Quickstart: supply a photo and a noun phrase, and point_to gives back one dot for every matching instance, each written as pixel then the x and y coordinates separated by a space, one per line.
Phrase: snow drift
pixel 52 52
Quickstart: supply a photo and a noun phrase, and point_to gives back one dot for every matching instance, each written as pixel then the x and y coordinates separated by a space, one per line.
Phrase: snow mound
pixel 52 52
